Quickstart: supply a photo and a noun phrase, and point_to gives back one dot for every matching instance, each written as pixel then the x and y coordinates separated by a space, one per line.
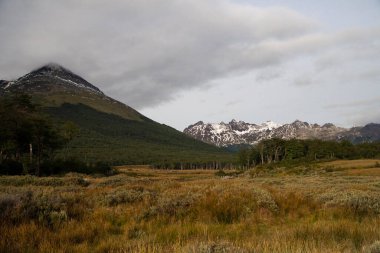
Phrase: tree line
pixel 30 142
pixel 29 139
pixel 201 165
pixel 278 150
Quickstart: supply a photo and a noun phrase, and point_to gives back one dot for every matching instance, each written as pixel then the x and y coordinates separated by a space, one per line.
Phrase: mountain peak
pixel 53 85
pixel 239 132
pixel 49 68
pixel 269 124
pixel 327 125
pixel 49 76
pixel 54 66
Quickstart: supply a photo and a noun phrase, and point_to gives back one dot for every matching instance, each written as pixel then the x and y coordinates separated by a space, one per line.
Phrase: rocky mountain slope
pixel 239 132
pixel 53 85
pixel 109 130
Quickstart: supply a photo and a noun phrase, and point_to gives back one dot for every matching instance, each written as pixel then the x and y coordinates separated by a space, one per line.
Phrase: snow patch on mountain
pixel 240 132
pixel 51 74
pixel 79 85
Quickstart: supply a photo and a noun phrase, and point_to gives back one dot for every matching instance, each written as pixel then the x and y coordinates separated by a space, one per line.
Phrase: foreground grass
pixel 144 210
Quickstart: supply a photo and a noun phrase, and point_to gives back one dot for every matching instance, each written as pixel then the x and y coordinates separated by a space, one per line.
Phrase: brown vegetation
pixel 145 210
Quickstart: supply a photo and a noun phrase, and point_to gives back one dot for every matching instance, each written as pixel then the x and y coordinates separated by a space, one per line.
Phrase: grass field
pixel 355 164
pixel 335 208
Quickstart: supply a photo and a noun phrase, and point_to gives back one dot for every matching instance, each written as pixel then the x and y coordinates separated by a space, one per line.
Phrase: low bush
pixel 222 173
pixel 358 202
pixel 47 208
pixel 29 180
pixel 172 206
pixel 213 247
pixel 123 196
pixel 53 167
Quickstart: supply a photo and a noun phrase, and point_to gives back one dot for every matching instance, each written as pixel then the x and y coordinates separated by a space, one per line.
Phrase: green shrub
pixel 222 173
pixel 8 205
pixel 47 208
pixel 358 202
pixel 123 196
pixel 172 205
pixel 56 218
pixel 43 181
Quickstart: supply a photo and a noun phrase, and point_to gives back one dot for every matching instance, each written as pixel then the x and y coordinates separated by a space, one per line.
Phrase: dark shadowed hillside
pixel 109 130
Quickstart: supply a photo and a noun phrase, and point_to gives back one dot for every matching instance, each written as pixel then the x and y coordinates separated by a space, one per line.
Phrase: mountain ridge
pixel 52 70
pixel 110 131
pixel 53 85
pixel 239 132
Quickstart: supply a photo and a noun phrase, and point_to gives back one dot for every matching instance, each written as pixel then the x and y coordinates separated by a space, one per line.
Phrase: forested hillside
pixel 106 130
pixel 111 138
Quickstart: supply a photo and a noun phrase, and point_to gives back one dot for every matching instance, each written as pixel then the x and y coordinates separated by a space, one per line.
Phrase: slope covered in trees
pixel 116 140
pixel 108 130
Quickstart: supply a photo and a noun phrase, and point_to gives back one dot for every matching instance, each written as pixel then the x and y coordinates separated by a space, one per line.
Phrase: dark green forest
pixel 27 136
pixel 118 141
pixel 295 151
pixel 30 141
pixel 51 140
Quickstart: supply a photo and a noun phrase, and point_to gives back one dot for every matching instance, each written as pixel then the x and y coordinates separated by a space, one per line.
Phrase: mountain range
pixel 109 130
pixel 239 132
pixel 115 132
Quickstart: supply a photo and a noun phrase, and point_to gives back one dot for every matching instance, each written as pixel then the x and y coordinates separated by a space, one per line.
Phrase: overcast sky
pixel 182 61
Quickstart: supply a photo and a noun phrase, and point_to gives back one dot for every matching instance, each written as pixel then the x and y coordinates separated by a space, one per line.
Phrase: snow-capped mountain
pixel 53 85
pixel 234 132
pixel 50 76
pixel 239 132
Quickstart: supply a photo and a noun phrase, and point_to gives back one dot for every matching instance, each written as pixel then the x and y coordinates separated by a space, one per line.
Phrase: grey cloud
pixel 357 103
pixel 142 52
pixel 233 102
pixel 351 47
pixel 146 52
pixel 269 74
pixel 361 119
pixel 303 80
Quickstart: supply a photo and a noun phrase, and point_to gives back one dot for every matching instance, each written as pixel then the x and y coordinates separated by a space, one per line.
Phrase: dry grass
pixel 364 172
pixel 362 163
pixel 145 210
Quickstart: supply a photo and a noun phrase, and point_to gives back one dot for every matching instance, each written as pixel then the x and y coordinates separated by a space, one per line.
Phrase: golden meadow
pixel 326 207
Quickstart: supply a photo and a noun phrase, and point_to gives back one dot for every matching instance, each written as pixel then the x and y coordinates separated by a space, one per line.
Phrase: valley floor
pixel 329 207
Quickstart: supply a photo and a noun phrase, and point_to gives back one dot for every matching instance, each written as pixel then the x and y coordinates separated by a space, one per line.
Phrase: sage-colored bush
pixel 356 201
pixel 124 196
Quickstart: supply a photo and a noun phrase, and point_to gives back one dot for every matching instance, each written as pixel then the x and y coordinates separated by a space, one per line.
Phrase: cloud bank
pixel 146 52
